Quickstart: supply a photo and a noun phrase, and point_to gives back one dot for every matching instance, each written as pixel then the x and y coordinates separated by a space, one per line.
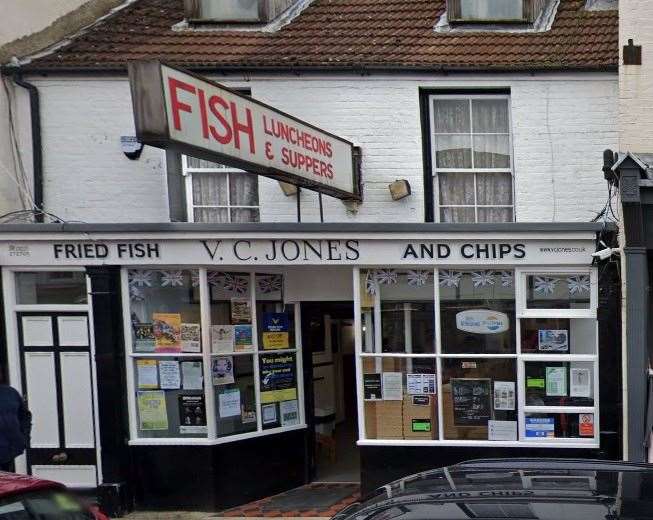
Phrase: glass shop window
pixel 559 383
pixel 550 291
pixel 51 288
pixel 538 426
pixel 558 336
pixel 477 312
pixel 479 399
pixel 167 353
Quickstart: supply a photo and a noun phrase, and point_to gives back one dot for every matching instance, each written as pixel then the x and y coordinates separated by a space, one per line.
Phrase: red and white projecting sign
pixel 178 110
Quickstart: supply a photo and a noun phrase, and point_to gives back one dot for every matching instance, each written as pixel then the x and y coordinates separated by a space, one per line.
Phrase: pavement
pixel 196 515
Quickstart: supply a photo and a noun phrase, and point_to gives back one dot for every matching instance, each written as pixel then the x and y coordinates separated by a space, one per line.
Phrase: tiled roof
pixel 342 34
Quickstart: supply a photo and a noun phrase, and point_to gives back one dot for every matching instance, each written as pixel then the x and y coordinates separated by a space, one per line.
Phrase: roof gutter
pixel 37 148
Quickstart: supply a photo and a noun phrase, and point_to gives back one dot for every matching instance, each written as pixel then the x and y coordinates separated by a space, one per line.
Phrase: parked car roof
pixel 12 483
pixel 544 489
pixel 353 35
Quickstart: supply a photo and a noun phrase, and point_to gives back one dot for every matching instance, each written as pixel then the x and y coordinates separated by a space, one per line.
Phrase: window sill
pixel 544 443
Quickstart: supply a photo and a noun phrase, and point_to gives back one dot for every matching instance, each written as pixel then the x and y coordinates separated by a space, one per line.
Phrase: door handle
pixel 59 458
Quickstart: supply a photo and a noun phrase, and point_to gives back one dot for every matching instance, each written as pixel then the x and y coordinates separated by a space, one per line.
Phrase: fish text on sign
pixel 98 250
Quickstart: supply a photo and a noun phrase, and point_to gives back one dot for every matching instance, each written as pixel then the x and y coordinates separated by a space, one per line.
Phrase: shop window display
pixel 500 371
pixel 553 291
pixel 234 374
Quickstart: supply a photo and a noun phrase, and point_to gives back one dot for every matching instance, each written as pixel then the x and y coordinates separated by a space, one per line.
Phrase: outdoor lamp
pixel 399 189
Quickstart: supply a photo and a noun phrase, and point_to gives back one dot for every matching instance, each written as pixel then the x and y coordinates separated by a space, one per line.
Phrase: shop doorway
pixel 329 337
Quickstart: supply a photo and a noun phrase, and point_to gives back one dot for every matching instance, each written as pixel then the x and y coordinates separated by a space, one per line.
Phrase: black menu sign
pixel 472 401
pixel 372 386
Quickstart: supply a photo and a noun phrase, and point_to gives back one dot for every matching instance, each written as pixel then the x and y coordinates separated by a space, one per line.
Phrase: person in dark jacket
pixel 15 426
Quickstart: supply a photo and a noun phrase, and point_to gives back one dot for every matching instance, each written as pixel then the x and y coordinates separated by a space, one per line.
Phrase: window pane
pixel 491 151
pixel 475 394
pixel 235 398
pixel 215 215
pixel 456 189
pixel 559 383
pixel 494 189
pixel 477 312
pixel 559 425
pixel 453 151
pixel 570 291
pixel 451 116
pixel 558 336
pixel 193 162
pixel 210 189
pixel 51 287
pixel 495 215
pixel 490 116
pixel 400 398
pixel 491 10
pixel 278 383
pixel 243 188
pixel 460 215
pixel 245 215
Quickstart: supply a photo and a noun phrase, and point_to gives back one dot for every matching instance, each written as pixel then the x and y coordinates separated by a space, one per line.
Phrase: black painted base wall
pixel 212 478
pixel 383 464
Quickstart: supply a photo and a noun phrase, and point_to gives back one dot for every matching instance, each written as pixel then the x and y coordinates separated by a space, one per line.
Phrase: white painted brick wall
pixel 561 125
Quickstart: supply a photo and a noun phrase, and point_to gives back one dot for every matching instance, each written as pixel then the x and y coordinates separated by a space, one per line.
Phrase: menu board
pixel 472 401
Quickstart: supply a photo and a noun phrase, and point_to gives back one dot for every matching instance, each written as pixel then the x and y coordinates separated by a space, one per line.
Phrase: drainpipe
pixel 37 151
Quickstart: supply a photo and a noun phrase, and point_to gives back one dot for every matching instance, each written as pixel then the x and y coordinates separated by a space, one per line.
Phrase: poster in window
pixel 278 377
pixel 540 427
pixel 289 411
pixel 550 340
pixel 191 375
pixel 169 375
pixel 420 384
pixel 222 339
pixel 147 374
pixel 167 332
pixel 556 381
pixel 190 337
pixel 472 401
pixel 504 395
pixel 392 386
pixel 192 414
pixel 222 370
pixel 275 331
pixel 152 412
pixel 229 403
pixel 241 310
pixel 143 337
pixel 243 338
pixel 269 412
pixel 372 388
pixel 579 382
pixel 586 424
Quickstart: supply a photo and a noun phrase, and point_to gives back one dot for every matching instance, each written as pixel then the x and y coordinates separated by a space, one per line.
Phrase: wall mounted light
pixel 131 146
pixel 288 189
pixel 399 189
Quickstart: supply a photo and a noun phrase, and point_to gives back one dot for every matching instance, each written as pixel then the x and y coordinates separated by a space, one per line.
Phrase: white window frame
pixel 205 356
pixel 188 172
pixel 520 360
pixel 469 171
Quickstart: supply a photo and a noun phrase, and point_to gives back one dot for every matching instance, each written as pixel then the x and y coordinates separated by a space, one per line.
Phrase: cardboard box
pixel 420 417
pixel 370 419
pixel 389 420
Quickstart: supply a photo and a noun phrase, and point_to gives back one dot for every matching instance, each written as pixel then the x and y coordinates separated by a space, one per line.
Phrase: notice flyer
pixel 147 374
pixel 579 382
pixel 222 370
pixel 190 337
pixel 241 310
pixel 278 377
pixel 504 395
pixel 540 427
pixel 420 383
pixel 553 340
pixel 143 337
pixel 392 386
pixel 269 412
pixel 167 332
pixel 502 430
pixel 192 415
pixel 222 339
pixel 191 375
pixel 556 381
pixel 243 341
pixel 152 412
pixel 229 403
pixel 586 424
pixel 372 387
pixel 275 331
pixel 169 375
pixel 289 411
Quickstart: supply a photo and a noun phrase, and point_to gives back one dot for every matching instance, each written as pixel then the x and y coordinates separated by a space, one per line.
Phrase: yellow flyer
pixel 167 332
pixel 152 412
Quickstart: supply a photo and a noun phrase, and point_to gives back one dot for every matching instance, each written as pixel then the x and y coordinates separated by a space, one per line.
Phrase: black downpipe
pixel 37 150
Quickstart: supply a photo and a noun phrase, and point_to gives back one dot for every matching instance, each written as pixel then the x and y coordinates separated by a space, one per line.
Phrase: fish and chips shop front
pixel 173 365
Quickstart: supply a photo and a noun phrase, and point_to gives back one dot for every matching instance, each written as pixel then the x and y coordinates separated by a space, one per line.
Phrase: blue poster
pixel 275 322
pixel 540 427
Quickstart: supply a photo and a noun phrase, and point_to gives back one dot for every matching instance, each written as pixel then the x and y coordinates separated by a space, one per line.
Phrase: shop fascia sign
pixel 174 109
pixel 310 251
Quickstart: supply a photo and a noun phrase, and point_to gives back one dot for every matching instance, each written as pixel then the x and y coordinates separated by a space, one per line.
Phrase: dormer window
pixel 494 11
pixel 234 11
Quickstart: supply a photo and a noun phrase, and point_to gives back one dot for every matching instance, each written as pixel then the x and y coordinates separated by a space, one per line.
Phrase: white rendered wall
pixel 561 125
pixel 636 81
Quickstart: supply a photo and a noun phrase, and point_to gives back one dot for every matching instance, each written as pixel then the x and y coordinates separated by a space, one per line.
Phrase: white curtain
pixel 491 9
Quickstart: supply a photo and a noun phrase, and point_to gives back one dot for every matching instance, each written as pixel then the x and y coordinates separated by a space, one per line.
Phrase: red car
pixel 29 498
